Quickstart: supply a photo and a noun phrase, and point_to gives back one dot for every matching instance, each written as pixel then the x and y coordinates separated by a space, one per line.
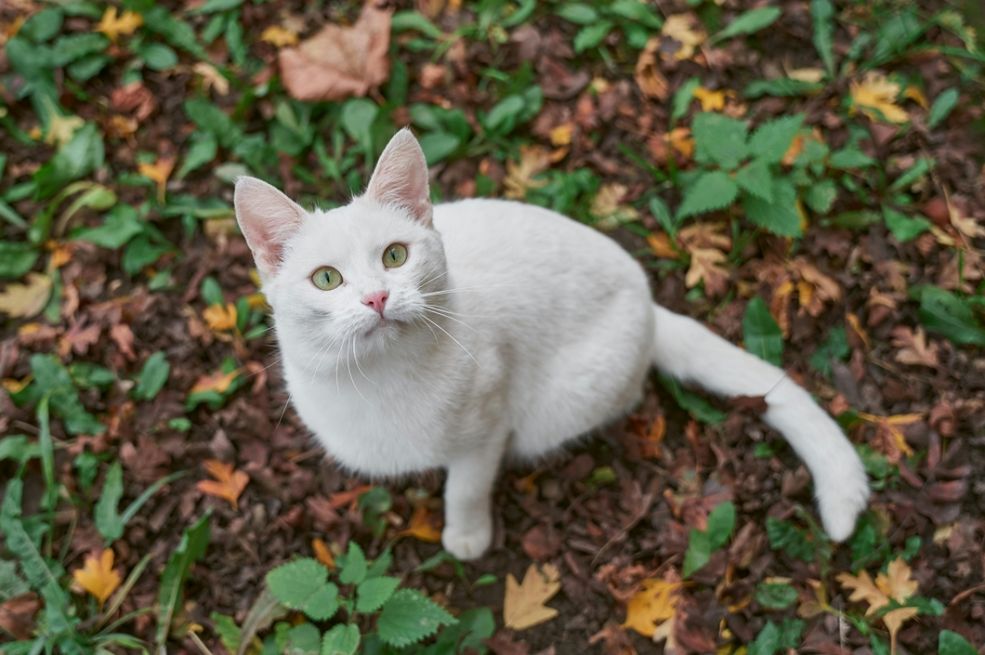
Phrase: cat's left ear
pixel 401 178
pixel 268 219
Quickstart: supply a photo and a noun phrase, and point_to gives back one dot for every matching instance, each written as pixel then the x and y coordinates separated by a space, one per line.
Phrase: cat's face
pixel 351 281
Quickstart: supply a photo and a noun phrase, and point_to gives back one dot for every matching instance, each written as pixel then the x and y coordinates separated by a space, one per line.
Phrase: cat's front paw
pixel 468 542
pixel 841 497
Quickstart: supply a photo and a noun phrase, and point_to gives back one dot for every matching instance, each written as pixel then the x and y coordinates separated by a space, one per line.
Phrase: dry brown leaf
pixel 705 235
pixel 158 172
pixel 279 36
pixel 894 621
pixel 608 206
pixel 28 299
pixel 914 349
pixel 814 288
pixel 519 175
pixel 423 526
pixel 229 483
pixel 97 575
pixel 653 607
pixel 896 584
pixel 661 246
pixel 965 225
pixel 706 265
pixel 687 31
pixel 322 553
pixel 889 438
pixel 875 96
pixel 524 603
pixel 218 382
pixel 339 62
pixel 220 317
pixel 649 78
pixel 212 78
pixel 114 25
pixel 17 615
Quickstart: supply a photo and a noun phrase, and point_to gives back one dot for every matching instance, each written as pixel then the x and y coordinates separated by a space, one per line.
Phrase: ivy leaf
pixel 719 139
pixel 762 335
pixel 755 178
pixel 408 617
pixel 711 191
pixel 750 22
pixel 303 585
pixel 771 140
pixel 373 592
pixel 782 216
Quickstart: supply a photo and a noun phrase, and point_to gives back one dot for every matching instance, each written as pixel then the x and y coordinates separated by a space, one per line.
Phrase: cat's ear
pixel 401 177
pixel 268 219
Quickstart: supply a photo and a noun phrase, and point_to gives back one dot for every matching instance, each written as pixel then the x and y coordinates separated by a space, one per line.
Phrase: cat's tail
pixel 692 353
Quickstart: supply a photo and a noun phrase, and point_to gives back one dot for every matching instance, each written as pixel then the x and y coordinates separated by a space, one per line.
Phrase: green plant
pixel 702 543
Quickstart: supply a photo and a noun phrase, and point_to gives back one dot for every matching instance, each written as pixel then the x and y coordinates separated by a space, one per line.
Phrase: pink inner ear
pixel 268 219
pixel 401 177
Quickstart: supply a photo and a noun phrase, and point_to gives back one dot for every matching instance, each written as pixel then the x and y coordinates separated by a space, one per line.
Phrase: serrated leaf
pixel 354 567
pixel 303 585
pixel 771 140
pixel 341 640
pixel 373 592
pixel 782 216
pixel 408 617
pixel 755 178
pixel 524 603
pixel 719 139
pixel 761 334
pixel 821 196
pixel 711 191
pixel 942 107
pixel 749 22
pixel 775 595
pixel 822 15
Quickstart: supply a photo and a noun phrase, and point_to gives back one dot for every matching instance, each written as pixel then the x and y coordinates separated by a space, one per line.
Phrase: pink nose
pixel 376 301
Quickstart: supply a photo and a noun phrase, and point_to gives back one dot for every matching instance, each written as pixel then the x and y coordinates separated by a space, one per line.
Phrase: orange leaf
pixel 114 25
pixel 159 172
pixel 423 526
pixel 220 317
pixel 322 553
pixel 652 606
pixel 97 576
pixel 228 484
pixel 279 36
pixel 218 382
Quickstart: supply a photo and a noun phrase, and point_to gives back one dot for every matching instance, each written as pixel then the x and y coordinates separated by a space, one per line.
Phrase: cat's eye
pixel 395 255
pixel 326 278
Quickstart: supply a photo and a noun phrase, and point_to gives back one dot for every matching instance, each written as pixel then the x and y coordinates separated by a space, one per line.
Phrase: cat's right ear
pixel 268 219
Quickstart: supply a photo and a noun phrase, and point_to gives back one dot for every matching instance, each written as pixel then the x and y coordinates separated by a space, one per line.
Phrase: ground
pixel 805 177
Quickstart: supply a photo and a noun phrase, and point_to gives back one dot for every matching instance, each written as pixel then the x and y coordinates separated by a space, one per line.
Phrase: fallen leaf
pixel 651 606
pixel 889 438
pixel 894 621
pixel 228 484
pixel 279 36
pixel 322 553
pixel 519 175
pixel 894 585
pixel 561 135
pixel 78 338
pixel 17 615
pixel 97 575
pixel 897 582
pixel 965 225
pixel 876 97
pixel 808 75
pixel 916 95
pixel 687 31
pixel 648 76
pixel 913 347
pixel 524 603
pixel 706 265
pixel 212 78
pixel 220 317
pixel 608 206
pixel 28 299
pixel 814 288
pixel 423 526
pixel 61 128
pixel 122 336
pixel 115 25
pixel 710 100
pixel 653 439
pixel 159 172
pixel 339 62
pixel 218 382
pixel 133 97
pixel 661 246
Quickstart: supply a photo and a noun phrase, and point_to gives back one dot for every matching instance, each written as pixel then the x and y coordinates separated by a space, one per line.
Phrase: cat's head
pixel 355 279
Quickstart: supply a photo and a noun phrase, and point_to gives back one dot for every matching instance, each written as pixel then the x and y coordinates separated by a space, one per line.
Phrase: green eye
pixel 395 255
pixel 326 278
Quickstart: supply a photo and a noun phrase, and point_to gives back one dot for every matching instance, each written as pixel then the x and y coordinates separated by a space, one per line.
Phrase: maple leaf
pixel 279 36
pixel 524 603
pixel 706 265
pixel 814 288
pixel 894 585
pixel 97 575
pixel 423 526
pixel 322 553
pixel 159 172
pixel 28 299
pixel 913 347
pixel 876 97
pixel 608 207
pixel 339 62
pixel 115 25
pixel 687 31
pixel 61 128
pixel 220 317
pixel 519 175
pixel 710 100
pixel 228 484
pixel 652 607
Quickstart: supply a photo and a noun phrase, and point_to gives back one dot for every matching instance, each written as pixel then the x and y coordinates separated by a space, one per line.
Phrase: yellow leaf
pixel 212 78
pixel 28 299
pixel 61 129
pixel 114 25
pixel 863 588
pixel 220 317
pixel 423 526
pixel 12 385
pixel 608 207
pixel 916 95
pixel 808 75
pixel 655 603
pixel 706 265
pixel 710 100
pixel 97 576
pixel 218 382
pixel 519 175
pixel 896 582
pixel 279 36
pixel 876 97
pixel 159 172
pixel 524 603
pixel 322 553
pixel 561 135
pixel 661 246
pixel 894 620
pixel 228 484
pixel 687 31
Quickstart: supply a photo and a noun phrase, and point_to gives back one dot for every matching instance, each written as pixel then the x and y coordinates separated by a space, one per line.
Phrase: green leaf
pixel 592 35
pixel 107 517
pixel 357 119
pixel 834 347
pixel 504 114
pixel 341 640
pixel 822 15
pixel 153 376
pixel 749 22
pixel 303 585
pixel 719 139
pixel 79 157
pixel 406 20
pixel 438 145
pixel 42 26
pixel 698 552
pixel 302 639
pixel 767 642
pixel 771 140
pixel 373 592
pixel 942 107
pixel 755 178
pixel 951 643
pixel 229 633
pixel 200 151
pixel 761 334
pixel 11 583
pixel 158 56
pixel 790 539
pixel 18 448
pixel 213 120
pixel 16 259
pixel 120 225
pixel 638 12
pixel 904 227
pixel 848 158
pixel 682 99
pixel 781 87
pixel 821 196
pixel 775 595
pixel 898 30
pixel 353 570
pixel 191 548
pixel 782 216
pixel 949 315
pixel 140 253
pixel 51 378
pixel 578 13
pixel 693 404
pixel 408 617
pixel 709 192
pixel 721 522
pixel 213 6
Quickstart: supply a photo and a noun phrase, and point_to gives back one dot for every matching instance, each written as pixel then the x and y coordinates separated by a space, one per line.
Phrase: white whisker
pixel 428 308
pixel 459 343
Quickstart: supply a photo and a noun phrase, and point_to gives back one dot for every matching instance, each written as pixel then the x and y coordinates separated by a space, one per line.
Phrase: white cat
pixel 416 337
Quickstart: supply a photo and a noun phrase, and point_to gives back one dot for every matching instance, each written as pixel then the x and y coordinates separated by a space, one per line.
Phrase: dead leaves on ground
pixel 339 62
pixel 651 610
pixel 229 483
pixel 114 24
pixel 896 585
pixel 875 96
pixel 97 576
pixel 524 604
pixel 25 300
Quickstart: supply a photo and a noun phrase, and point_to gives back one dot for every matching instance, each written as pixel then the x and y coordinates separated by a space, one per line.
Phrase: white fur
pixel 510 329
